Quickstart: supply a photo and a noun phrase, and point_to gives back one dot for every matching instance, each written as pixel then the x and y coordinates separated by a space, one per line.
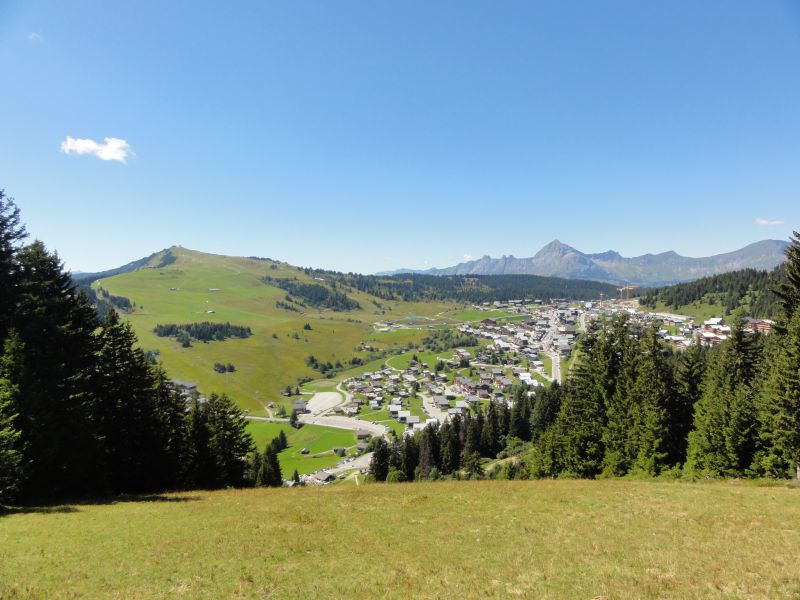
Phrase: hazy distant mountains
pixel 559 260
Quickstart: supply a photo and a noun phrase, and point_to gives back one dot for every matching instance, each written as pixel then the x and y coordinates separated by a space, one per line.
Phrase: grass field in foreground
pixel 491 539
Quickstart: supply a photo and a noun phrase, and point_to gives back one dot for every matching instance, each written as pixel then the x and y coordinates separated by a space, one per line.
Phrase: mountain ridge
pixel 557 259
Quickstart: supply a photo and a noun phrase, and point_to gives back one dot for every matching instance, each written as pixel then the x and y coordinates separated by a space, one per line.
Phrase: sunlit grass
pixel 549 539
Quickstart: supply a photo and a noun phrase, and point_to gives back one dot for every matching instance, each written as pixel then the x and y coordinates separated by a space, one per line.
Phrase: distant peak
pixel 554 247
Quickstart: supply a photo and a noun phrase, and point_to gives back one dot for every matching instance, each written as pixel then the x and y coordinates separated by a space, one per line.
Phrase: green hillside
pixel 467 539
pixel 193 287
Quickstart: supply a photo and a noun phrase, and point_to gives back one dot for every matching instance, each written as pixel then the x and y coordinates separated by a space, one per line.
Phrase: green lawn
pixel 382 416
pixel 548 363
pixel 318 439
pixel 492 539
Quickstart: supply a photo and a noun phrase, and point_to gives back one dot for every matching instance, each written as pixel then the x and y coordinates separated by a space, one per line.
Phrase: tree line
pixel 467 288
pixel 314 294
pixel 732 290
pixel 204 332
pixel 83 413
pixel 459 444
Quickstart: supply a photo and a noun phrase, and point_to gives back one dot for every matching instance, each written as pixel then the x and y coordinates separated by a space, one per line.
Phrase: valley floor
pixel 497 539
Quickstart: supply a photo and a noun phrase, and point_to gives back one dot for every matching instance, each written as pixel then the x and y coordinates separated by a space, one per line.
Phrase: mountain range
pixel 557 259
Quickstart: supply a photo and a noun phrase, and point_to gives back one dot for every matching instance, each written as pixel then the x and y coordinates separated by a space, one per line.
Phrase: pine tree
pixel 283 443
pixel 56 326
pixel 788 291
pixel 490 441
pixel 125 410
pixel 779 409
pixel 202 467
pixel 519 419
pixel 409 457
pixel 651 399
pixel 230 441
pixel 271 475
pixel 429 451
pixel 724 437
pixel 296 477
pixel 450 451
pixel 689 377
pixel 172 434
pixel 11 233
pixel 11 471
pixel 379 464
pixel 545 409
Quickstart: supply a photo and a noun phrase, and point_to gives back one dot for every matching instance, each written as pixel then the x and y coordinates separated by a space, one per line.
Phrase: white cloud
pixel 110 149
pixel 35 37
pixel 761 221
pixel 468 256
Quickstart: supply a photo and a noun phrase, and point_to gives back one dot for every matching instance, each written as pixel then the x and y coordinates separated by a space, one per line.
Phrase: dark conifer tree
pixel 724 437
pixel 230 441
pixel 788 290
pixel 55 325
pixel 545 409
pixel 11 474
pixel 202 460
pixel 409 457
pixel 12 232
pixel 428 451
pixel 129 429
pixel 379 465
pixel 651 400
pixel 689 376
pixel 450 446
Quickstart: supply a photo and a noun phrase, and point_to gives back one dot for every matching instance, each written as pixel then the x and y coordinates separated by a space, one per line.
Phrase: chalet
pixel 403 415
pixel 412 420
pixel 489 323
pixel 441 402
pixel 300 406
pixel 363 434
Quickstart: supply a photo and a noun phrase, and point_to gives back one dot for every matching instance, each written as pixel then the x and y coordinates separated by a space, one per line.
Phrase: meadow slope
pixel 198 287
pixel 495 539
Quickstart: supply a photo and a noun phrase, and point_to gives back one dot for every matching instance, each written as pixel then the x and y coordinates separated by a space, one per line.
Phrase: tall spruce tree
pixel 724 437
pixel 652 399
pixel 11 473
pixel 379 464
pixel 688 386
pixel 230 440
pixel 779 409
pixel 12 232
pixel 789 290
pixel 128 425
pixel 429 451
pixel 56 326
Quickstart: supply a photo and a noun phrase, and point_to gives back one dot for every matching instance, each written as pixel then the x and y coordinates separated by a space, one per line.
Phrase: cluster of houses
pixel 711 332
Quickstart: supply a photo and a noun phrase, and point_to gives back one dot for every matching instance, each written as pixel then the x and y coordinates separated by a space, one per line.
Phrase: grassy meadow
pixel 318 439
pixel 200 287
pixel 483 539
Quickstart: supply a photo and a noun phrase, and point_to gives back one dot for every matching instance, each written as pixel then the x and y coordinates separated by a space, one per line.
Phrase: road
pixel 361 462
pixel 556 358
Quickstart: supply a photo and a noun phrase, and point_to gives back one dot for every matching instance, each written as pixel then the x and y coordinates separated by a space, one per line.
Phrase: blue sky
pixel 373 135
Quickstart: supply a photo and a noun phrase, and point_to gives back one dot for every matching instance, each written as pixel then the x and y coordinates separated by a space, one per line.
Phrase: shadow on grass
pixel 73 507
